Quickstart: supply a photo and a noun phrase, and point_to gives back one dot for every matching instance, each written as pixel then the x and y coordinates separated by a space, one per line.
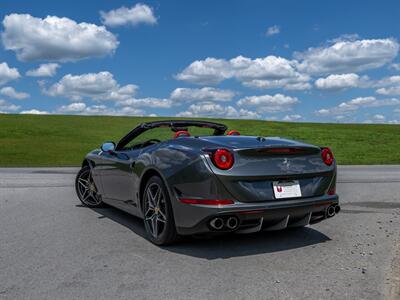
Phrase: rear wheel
pixel 86 188
pixel 158 216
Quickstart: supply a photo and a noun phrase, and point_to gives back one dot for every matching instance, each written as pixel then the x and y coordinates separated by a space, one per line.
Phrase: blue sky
pixel 286 60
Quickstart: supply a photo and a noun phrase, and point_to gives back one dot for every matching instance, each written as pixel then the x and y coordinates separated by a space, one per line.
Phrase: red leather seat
pixel 181 133
pixel 233 132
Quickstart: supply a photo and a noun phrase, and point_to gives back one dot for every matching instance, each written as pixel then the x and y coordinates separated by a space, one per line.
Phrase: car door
pixel 118 178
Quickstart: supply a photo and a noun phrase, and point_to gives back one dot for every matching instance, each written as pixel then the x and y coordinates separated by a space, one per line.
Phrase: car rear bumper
pixel 253 217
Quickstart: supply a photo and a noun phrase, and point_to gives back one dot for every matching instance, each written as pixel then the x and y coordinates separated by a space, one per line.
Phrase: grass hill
pixel 56 140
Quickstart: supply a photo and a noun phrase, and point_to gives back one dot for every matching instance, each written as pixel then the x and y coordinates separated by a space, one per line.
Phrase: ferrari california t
pixel 202 179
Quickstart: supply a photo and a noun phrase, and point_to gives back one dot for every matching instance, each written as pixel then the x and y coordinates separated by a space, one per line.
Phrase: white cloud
pixel 98 110
pixel 12 93
pixel 140 13
pixel 269 103
pixel 266 72
pixel 210 109
pixel 34 112
pixel 273 30
pixel 337 82
pixel 345 37
pixel 389 86
pixel 341 118
pixel 245 114
pixel 353 105
pixel 395 66
pixel 208 71
pixel 97 86
pixel 379 118
pixel 296 84
pixel 179 96
pixel 44 70
pixel 7 74
pixel 146 102
pixel 343 57
pixel 291 118
pixel 7 107
pixel 55 39
pixel 73 107
pixel 131 111
pixel 203 94
pixel 389 91
pixel 207 109
pixel 81 108
pixel 348 56
pixel 368 121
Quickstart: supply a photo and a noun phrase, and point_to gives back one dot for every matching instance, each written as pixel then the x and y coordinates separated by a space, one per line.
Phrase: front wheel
pixel 86 188
pixel 158 216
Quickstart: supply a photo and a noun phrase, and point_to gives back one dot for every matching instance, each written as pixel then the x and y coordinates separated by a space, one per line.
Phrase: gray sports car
pixel 213 182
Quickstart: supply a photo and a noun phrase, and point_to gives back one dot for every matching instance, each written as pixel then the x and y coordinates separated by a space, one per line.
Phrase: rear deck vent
pixel 286 151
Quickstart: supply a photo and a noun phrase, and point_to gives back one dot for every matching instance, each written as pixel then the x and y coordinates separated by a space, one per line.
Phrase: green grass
pixel 54 140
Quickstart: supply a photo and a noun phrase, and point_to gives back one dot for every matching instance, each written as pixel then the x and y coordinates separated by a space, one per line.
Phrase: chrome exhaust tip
pixel 217 223
pixel 232 223
pixel 330 212
pixel 337 209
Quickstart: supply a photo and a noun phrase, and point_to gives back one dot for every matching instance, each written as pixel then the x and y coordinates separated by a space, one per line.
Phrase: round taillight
pixel 327 156
pixel 223 159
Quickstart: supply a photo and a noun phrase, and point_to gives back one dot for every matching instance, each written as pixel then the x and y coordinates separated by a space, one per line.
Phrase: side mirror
pixel 108 147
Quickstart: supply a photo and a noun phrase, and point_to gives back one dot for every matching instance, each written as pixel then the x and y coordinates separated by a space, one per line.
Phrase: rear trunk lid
pixel 261 161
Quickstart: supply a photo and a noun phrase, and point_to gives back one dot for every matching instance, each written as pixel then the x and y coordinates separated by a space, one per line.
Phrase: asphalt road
pixel 53 248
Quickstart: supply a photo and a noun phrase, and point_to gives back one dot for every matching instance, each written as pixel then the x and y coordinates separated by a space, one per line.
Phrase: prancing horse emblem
pixel 286 163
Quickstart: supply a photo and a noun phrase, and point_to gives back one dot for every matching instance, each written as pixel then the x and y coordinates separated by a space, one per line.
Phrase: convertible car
pixel 213 182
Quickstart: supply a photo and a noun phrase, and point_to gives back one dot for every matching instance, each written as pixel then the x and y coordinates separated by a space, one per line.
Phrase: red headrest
pixel 181 133
pixel 233 132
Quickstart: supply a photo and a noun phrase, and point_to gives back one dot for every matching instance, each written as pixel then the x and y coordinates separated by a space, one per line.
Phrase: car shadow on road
pixel 236 245
pixel 129 221
pixel 225 246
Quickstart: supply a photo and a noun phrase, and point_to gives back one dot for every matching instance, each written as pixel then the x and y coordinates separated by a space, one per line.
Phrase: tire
pixel 86 189
pixel 157 213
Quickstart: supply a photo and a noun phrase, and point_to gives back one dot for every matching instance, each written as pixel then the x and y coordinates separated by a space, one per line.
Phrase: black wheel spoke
pixel 162 220
pixel 150 198
pixel 86 194
pixel 87 189
pixel 149 213
pixel 155 226
pixel 162 217
pixel 155 215
pixel 84 183
pixel 157 197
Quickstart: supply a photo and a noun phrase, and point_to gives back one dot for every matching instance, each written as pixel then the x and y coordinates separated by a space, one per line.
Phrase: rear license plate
pixel 286 189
